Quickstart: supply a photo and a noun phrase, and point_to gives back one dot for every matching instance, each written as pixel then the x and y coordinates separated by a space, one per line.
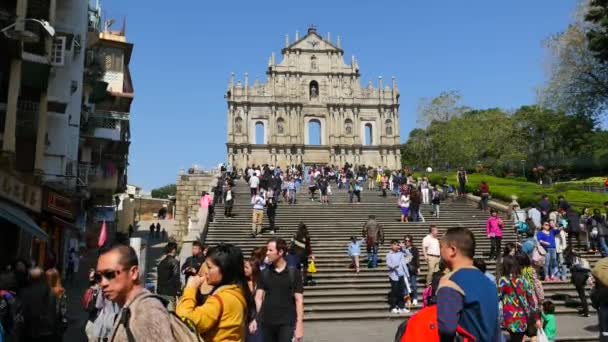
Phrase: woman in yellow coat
pixel 226 311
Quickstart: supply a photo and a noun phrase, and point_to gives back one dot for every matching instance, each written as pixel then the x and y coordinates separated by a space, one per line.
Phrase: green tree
pixel 577 80
pixel 165 191
pixel 441 108
pixel 597 15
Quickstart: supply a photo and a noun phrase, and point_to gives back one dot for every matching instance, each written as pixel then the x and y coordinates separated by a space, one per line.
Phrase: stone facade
pixel 312 85
pixel 187 196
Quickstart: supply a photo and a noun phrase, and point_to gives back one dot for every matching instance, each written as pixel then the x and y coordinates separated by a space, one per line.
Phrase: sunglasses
pixel 108 275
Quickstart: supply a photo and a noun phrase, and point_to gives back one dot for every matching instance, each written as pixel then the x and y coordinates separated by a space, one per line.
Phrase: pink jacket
pixel 205 200
pixel 494 225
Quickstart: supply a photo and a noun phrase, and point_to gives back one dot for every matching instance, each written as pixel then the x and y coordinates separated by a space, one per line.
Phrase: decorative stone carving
pixel 312 82
pixel 348 127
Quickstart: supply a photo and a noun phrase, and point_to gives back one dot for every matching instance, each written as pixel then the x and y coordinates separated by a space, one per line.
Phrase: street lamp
pixel 12 32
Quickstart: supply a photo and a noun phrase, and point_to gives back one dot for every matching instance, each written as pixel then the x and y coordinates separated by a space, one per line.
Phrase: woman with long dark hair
pixel 228 310
pixel 300 245
pixel 518 304
pixel 252 270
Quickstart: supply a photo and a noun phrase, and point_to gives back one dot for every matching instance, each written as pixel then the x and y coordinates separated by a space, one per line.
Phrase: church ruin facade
pixel 313 110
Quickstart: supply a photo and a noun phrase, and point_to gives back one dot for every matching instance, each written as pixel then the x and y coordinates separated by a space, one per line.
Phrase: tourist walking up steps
pixel 257 215
pixel 228 201
pixel 354 189
pixel 431 252
pixel 373 233
pixel 494 227
pixel 404 204
pixel 425 189
pixel 279 298
pixel 354 250
pixel 436 201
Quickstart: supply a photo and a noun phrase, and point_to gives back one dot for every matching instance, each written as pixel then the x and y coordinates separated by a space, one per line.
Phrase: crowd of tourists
pixel 217 294
pixel 33 303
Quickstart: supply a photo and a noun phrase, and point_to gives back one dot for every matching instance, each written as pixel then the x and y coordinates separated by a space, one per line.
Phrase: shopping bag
pixel 312 268
pixel 541 336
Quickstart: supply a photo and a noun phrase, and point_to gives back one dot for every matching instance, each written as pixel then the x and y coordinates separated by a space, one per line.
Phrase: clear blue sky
pixel 184 52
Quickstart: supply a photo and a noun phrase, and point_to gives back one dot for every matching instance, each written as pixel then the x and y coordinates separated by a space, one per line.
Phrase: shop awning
pixel 20 219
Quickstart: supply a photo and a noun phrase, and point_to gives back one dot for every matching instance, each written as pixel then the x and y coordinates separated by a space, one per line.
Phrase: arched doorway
pixel 369 136
pixel 314 132
pixel 259 133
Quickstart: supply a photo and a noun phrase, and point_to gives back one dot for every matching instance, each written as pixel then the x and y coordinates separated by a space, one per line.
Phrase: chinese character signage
pixel 23 194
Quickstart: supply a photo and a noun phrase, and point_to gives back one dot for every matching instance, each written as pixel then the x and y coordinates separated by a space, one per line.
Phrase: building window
pixel 369 137
pixel 58 51
pixel 314 132
pixel 260 134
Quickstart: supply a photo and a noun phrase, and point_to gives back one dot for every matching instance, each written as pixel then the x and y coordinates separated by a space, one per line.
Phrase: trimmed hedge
pixel 528 193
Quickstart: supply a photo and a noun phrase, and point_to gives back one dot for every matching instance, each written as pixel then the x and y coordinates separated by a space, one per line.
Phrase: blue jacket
pixel 474 294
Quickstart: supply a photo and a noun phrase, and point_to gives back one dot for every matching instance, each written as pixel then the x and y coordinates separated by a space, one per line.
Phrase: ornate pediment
pixel 313 42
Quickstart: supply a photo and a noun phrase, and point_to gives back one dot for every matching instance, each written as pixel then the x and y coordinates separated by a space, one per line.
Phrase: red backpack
pixel 423 326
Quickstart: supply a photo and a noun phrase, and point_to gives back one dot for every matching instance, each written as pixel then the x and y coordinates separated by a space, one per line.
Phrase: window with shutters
pixel 58 51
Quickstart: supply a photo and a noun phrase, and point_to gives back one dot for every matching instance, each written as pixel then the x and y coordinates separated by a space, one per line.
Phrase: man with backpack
pixel 373 233
pixel 279 298
pixel 465 298
pixel 142 317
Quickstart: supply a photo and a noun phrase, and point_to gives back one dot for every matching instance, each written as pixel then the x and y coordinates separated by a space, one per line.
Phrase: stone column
pixel 231 118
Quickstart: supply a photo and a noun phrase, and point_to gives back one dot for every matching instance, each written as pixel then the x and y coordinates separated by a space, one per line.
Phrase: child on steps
pixel 354 249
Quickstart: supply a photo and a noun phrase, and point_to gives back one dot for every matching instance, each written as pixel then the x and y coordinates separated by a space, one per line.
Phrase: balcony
pixel 108 125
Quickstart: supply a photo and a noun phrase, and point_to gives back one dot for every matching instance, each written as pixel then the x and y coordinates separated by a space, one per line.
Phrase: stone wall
pixel 189 189
pixel 147 207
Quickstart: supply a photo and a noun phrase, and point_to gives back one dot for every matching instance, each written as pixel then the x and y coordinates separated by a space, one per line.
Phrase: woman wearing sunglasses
pixel 222 317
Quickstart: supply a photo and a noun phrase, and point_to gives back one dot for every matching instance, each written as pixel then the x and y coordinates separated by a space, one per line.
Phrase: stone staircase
pixel 340 294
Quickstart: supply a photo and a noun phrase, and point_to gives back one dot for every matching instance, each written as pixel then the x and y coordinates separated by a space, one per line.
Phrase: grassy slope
pixel 528 194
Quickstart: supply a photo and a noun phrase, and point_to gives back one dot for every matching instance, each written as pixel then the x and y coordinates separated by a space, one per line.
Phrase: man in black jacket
pixel 193 263
pixel 168 282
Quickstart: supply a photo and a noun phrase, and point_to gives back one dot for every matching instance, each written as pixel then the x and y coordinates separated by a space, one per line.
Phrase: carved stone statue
pixel 237 125
pixel 389 129
pixel 349 127
pixel 280 127
pixel 313 91
pixel 313 63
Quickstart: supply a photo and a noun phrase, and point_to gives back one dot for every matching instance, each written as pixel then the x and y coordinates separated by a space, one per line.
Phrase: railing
pixel 108 114
pixel 86 170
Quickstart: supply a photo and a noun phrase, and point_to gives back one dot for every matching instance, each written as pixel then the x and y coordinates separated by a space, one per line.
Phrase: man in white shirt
pixel 254 183
pixel 432 252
